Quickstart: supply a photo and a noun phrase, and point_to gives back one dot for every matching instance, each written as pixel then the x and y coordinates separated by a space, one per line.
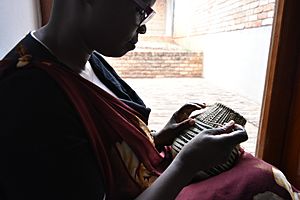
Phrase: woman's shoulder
pixel 30 83
pixel 42 130
pixel 30 96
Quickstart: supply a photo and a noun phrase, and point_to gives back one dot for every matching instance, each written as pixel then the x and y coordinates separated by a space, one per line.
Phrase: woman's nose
pixel 142 29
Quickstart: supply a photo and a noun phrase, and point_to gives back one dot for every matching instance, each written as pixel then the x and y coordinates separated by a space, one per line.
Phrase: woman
pixel 71 128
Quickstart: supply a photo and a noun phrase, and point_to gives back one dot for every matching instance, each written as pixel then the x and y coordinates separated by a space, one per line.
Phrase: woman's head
pixel 110 27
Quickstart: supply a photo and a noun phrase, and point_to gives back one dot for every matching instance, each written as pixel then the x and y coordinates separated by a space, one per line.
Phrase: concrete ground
pixel 165 95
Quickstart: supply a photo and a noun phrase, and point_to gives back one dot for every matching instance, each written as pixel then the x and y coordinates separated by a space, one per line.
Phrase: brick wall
pixel 158 64
pixel 157 25
pixel 198 17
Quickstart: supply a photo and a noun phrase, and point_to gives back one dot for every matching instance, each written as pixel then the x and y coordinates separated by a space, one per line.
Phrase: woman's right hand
pixel 210 147
pixel 206 150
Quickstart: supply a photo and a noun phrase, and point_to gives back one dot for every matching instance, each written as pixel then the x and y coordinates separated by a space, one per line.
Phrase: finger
pixel 185 111
pixel 194 116
pixel 234 138
pixel 238 127
pixel 192 106
pixel 195 105
pixel 226 128
pixel 229 126
pixel 184 125
pixel 202 105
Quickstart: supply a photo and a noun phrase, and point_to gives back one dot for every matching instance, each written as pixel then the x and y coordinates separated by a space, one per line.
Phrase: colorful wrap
pixel 121 141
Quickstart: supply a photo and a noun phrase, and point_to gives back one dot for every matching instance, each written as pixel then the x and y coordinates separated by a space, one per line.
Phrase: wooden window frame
pixel 279 132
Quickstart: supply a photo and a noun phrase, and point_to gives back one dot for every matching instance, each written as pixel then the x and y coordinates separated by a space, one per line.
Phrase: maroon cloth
pixel 249 177
pixel 107 121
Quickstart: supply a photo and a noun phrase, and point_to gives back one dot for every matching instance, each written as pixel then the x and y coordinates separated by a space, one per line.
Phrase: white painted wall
pixel 17 18
pixel 235 60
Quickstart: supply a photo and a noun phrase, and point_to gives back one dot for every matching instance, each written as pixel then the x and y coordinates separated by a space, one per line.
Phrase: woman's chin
pixel 120 51
pixel 131 46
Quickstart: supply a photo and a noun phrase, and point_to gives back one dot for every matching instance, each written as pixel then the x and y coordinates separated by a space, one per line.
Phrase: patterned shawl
pixel 120 139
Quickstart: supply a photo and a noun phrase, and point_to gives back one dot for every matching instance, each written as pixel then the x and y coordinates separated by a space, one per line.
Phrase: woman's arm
pixel 169 184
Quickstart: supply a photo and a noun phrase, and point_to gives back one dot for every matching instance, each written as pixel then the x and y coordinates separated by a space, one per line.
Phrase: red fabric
pixel 248 178
pixel 107 121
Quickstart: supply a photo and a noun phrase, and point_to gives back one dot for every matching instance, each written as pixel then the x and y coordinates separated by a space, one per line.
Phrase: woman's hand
pixel 211 147
pixel 208 149
pixel 179 121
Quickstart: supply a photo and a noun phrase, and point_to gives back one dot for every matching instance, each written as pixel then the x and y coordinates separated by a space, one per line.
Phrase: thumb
pixel 235 137
pixel 184 124
pixel 226 128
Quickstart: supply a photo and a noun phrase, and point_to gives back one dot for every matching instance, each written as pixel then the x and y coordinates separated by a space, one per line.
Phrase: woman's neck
pixel 67 46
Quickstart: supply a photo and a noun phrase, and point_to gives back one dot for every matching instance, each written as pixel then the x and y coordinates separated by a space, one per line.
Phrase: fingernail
pixel 230 123
pixel 192 122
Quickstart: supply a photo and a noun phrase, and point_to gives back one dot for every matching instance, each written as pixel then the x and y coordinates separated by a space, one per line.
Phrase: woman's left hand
pixel 179 121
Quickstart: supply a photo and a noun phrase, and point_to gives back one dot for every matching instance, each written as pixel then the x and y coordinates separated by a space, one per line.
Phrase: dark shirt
pixel 44 149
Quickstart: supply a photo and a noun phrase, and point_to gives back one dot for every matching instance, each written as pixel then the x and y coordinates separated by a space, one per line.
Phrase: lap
pixel 250 178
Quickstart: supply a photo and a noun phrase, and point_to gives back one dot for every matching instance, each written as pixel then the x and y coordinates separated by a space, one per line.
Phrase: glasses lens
pixel 148 16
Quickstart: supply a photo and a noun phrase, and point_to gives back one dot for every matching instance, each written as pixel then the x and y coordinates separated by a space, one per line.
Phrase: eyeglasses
pixel 146 11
